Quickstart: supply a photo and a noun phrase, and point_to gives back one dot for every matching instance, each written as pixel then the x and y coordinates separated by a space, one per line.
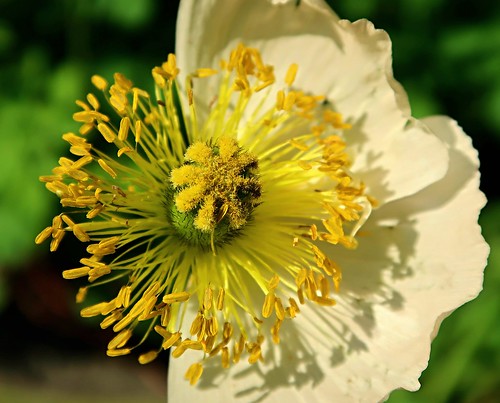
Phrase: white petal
pixel 421 258
pixel 350 63
pixel 205 29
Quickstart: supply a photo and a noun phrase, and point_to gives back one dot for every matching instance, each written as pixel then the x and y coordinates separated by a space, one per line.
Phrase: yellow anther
pixel 193 373
pixel 280 100
pixel 73 139
pixel 118 352
pixel 86 128
pixel 94 274
pixel 108 133
pixel 80 233
pixel 289 101
pixel 227 331
pixel 300 295
pixel 111 319
pixel 212 326
pixel 126 296
pixel 124 150
pixel 238 348
pixel 124 127
pixel 165 315
pixel 335 119
pixel 205 72
pixel 102 308
pixel 81 294
pixel 225 357
pixel 119 298
pixel 124 322
pixel 148 307
pixel 215 350
pixel 241 84
pixel 120 339
pixel 196 324
pixel 280 311
pixel 255 352
pixel 135 100
pixel 92 100
pixel 67 220
pixel 301 277
pixel 151 290
pixel 77 150
pixel 99 82
pixel 122 81
pixel 267 307
pixel 220 299
pixel 176 297
pixel 324 286
pixel 159 76
pixel 192 344
pixel 95 211
pixel 314 232
pixel 119 103
pixel 89 117
pixel 293 305
pixel 291 73
pixel 138 131
pixel 170 66
pixel 275 331
pixel 162 332
pixel 82 105
pixel 76 273
pixel 208 298
pixel 57 237
pixel 273 283
pixel 104 165
pixel 325 301
pixel 42 236
pixel 208 343
pixel 146 358
pixel 179 350
pixel 93 262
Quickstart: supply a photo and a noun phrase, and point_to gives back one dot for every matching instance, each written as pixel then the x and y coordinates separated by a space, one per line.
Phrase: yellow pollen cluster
pixel 275 170
pixel 220 181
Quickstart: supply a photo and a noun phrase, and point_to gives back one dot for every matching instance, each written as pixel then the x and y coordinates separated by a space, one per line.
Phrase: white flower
pixel 420 252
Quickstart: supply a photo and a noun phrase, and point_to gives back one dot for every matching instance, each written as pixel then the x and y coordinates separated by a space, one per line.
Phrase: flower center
pixel 299 196
pixel 214 192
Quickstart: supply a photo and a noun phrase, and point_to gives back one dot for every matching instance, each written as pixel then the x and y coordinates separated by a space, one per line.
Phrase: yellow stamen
pixel 104 165
pixel 76 273
pixel 193 373
pixel 176 297
pixel 118 352
pixel 204 203
pixel 99 82
pixel 146 358
pixel 291 73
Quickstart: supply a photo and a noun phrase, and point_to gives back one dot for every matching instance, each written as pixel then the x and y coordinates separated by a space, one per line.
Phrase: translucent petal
pixel 350 63
pixel 416 263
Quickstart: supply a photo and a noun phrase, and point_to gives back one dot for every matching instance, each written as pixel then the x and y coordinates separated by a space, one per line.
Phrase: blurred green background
pixel 447 56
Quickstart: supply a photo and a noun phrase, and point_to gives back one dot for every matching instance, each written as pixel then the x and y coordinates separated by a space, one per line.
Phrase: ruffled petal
pixel 420 258
pixel 350 63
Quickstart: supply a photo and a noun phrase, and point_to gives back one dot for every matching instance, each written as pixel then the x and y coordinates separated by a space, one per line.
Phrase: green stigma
pixel 214 192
